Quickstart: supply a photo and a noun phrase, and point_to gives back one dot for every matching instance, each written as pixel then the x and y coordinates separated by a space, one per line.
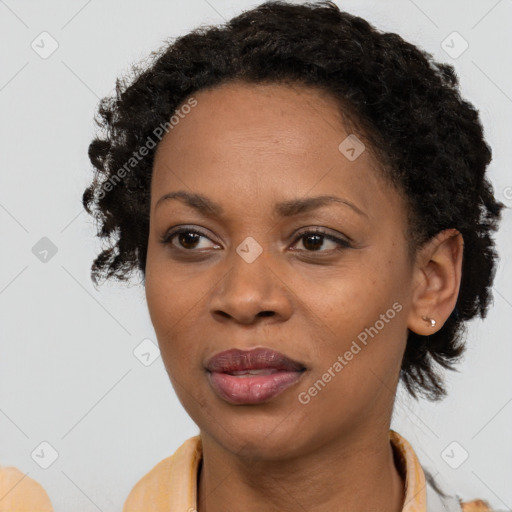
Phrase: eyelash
pixel 167 238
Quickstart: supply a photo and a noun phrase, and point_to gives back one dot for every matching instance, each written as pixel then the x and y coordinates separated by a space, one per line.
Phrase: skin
pixel 248 147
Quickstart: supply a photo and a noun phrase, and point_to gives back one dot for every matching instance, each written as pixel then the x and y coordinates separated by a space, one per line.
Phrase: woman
pixel 305 198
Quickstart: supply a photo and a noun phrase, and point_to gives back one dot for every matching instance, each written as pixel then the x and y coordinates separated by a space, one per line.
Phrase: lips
pixel 252 377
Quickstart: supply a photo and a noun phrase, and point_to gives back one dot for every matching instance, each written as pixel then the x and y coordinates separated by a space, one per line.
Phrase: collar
pixel 171 486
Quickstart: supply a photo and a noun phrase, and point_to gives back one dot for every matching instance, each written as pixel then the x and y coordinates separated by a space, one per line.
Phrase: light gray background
pixel 68 375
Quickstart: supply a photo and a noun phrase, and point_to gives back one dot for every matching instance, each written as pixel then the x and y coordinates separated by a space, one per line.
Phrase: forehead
pixel 242 113
pixel 275 139
pixel 259 121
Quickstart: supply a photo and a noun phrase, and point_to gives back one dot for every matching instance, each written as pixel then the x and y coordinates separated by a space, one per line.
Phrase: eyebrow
pixel 287 208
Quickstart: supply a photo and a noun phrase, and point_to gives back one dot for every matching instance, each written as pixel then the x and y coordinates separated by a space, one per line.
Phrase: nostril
pixel 266 313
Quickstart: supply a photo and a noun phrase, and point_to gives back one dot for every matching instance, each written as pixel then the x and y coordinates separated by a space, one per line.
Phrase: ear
pixel 436 281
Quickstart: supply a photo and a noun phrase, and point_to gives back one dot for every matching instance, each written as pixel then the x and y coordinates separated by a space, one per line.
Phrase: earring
pixel 431 320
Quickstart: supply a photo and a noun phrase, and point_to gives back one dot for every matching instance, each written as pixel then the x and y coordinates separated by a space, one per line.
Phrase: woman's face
pixel 246 274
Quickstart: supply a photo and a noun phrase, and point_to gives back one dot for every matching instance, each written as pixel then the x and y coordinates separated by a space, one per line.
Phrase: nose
pixel 249 291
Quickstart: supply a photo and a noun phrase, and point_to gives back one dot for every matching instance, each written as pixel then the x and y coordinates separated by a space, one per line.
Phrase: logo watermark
pixel 304 397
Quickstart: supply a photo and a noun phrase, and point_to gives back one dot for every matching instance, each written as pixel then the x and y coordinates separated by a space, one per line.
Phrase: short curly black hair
pixel 408 107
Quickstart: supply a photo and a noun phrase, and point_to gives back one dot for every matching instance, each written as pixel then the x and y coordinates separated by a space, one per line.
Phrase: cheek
pixel 171 290
pixel 173 303
pixel 355 372
pixel 350 298
pixel 361 315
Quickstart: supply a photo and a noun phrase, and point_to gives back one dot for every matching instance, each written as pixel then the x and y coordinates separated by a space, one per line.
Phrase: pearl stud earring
pixel 430 320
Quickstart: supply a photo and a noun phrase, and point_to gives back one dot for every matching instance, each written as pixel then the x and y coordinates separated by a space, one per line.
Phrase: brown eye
pixel 314 241
pixel 187 239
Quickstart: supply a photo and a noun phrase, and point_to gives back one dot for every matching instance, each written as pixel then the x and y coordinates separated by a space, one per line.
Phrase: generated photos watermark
pixel 149 144
pixel 341 361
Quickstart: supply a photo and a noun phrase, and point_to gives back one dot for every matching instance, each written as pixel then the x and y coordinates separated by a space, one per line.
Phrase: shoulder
pixel 21 493
pixel 439 500
pixel 422 490
pixel 476 506
pixel 173 478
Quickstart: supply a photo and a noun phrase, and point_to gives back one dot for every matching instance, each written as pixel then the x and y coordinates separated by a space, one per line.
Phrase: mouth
pixel 252 377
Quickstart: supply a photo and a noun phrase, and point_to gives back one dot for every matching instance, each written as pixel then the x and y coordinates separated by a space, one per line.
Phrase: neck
pixel 347 474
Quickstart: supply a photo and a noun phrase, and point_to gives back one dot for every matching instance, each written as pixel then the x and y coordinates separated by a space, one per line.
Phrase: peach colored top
pixel 20 493
pixel 171 486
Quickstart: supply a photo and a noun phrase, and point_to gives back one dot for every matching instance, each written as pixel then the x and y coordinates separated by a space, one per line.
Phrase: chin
pixel 255 434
